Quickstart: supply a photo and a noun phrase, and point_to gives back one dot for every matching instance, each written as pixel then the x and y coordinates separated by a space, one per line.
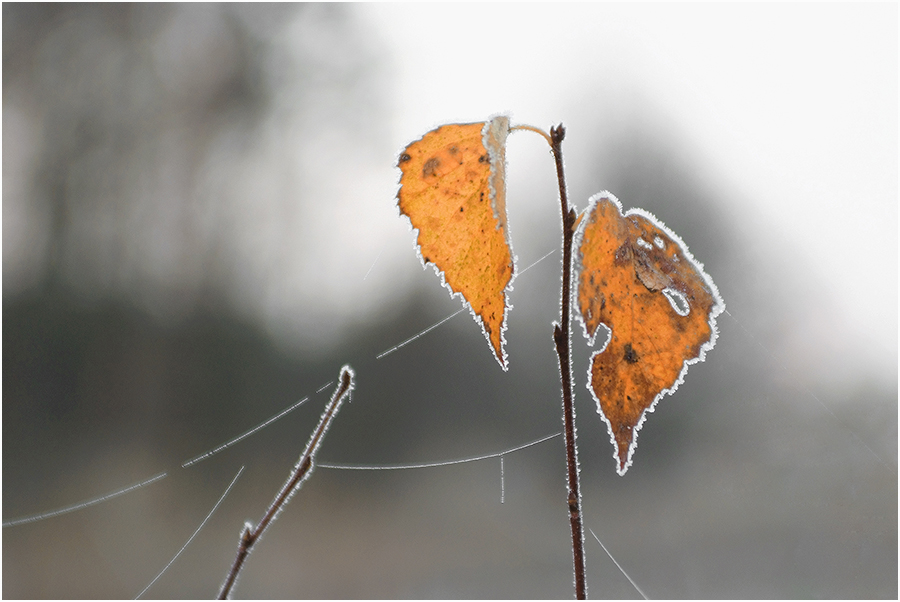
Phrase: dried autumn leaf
pixel 638 278
pixel 453 189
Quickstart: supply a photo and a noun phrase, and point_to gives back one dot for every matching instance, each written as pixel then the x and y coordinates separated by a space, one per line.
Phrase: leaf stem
pixel 536 130
pixel 562 337
pixel 302 471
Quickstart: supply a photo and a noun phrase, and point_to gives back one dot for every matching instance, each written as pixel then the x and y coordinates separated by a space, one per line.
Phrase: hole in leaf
pixel 678 301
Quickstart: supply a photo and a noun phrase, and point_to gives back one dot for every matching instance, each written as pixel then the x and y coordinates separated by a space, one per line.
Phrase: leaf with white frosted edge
pixel 453 190
pixel 637 278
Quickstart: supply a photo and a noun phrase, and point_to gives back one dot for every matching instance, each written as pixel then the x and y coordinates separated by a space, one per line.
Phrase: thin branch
pixel 302 471
pixel 562 336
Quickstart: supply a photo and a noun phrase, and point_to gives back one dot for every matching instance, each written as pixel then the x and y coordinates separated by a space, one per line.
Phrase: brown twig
pixel 562 338
pixel 302 471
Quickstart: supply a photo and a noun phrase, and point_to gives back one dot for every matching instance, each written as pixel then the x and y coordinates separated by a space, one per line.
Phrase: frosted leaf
pixel 656 300
pixel 453 190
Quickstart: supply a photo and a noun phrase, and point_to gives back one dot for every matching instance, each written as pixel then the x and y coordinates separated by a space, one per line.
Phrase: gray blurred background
pixel 199 229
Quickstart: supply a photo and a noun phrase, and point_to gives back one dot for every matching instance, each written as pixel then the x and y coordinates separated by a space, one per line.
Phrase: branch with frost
pixel 302 471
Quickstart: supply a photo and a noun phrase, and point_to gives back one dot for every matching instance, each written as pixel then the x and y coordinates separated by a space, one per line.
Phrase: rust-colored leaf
pixel 453 189
pixel 638 278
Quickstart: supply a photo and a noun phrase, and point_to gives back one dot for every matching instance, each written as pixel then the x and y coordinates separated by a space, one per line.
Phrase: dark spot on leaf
pixel 483 159
pixel 430 167
pixel 460 209
pixel 404 158
pixel 631 355
pixel 623 254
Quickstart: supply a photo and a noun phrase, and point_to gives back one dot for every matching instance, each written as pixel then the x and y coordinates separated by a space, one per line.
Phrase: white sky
pixel 788 111
pixel 794 107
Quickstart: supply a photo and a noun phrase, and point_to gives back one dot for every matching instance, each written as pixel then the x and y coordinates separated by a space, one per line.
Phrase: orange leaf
pixel 638 278
pixel 453 189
